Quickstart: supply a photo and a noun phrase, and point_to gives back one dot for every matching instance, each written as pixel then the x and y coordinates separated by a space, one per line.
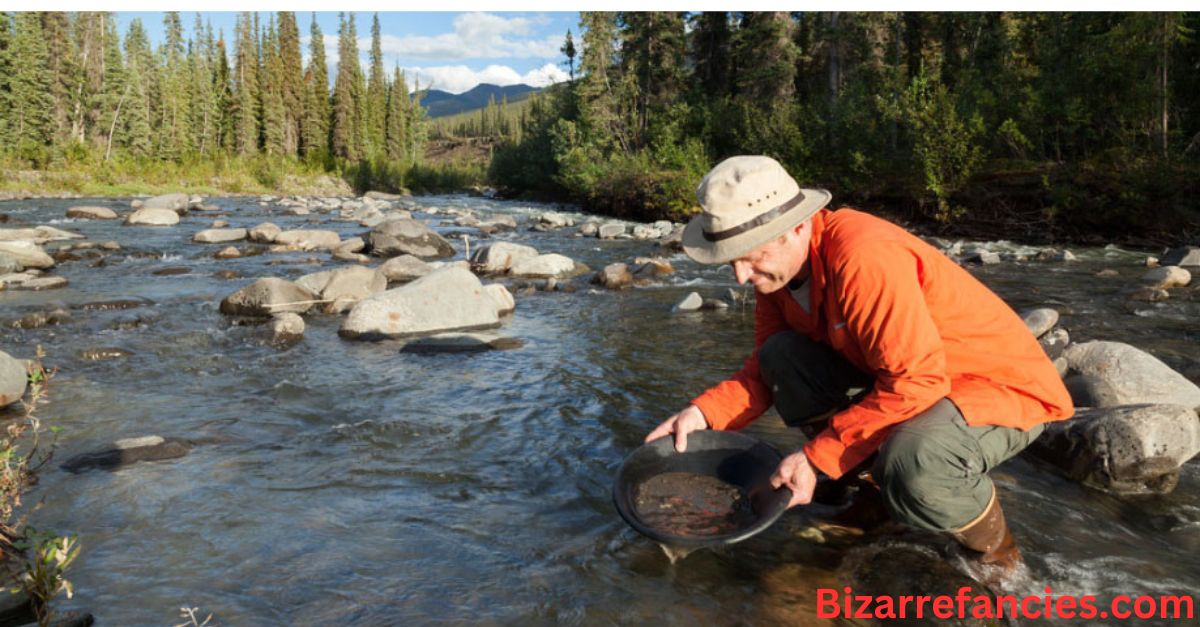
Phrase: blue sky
pixel 449 51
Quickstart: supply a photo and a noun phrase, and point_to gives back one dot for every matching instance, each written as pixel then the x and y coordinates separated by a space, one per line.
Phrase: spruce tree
pixel 272 93
pixel 292 80
pixel 653 51
pixel 397 118
pixel 709 45
pixel 175 127
pixel 61 67
pixel 6 73
pixel 597 105
pixel 376 111
pixel 315 135
pixel 223 96
pixel 31 84
pixel 345 133
pixel 114 93
pixel 246 87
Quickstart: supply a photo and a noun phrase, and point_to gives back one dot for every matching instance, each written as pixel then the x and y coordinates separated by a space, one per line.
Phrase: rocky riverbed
pixel 388 409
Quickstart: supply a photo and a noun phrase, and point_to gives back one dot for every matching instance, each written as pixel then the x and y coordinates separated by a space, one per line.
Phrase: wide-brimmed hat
pixel 747 201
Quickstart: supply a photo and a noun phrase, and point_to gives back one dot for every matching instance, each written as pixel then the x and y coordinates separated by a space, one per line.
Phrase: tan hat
pixel 747 202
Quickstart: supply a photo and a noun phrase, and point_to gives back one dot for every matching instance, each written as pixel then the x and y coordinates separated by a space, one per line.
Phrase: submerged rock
pixel 103 353
pixel 91 213
pixel 461 343
pixel 127 452
pixel 1132 449
pixel 449 299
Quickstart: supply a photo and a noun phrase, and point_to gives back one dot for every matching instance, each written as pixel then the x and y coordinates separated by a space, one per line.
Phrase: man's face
pixel 770 266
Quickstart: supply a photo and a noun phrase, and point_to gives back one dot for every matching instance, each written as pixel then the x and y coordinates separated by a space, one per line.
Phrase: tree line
pixel 911 104
pixel 70 85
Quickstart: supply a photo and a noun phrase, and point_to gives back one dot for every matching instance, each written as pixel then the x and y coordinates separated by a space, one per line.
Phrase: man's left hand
pixel 798 475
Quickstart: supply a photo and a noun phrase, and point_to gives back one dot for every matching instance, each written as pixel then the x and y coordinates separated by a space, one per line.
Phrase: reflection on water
pixel 346 483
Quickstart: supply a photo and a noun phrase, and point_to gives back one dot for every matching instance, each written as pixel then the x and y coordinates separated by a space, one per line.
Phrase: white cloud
pixel 459 78
pixel 475 36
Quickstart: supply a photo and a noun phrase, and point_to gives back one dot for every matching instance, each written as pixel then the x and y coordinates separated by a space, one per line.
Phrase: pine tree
pixel 315 130
pixel 175 128
pixel 293 81
pixel 597 105
pixel 376 113
pixel 765 56
pixel 60 69
pixel 710 49
pixel 223 96
pixel 114 93
pixel 416 129
pixel 652 58
pixel 568 50
pixel 397 118
pixel 202 99
pixel 246 87
pixel 31 84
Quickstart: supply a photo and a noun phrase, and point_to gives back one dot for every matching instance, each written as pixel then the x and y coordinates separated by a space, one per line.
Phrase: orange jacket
pixel 925 328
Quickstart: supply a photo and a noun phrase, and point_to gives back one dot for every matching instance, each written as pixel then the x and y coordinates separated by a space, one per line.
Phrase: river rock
pixel 610 230
pixel 614 276
pixel 1053 254
pixel 307 239
pixel 1182 256
pixel 287 327
pixel 589 229
pixel 264 233
pixel 498 223
pixel 268 296
pixel 39 319
pixel 10 265
pixel 1040 320
pixel 352 245
pixel 13 379
pixel 542 266
pixel 220 224
pixel 555 220
pixel 1166 277
pixel 714 304
pixel 1054 342
pixel 651 268
pixel 449 299
pixel 152 217
pixel 407 237
pixel 1149 294
pixel 1135 377
pixel 1132 449
pixel 344 287
pixel 41 283
pixel 503 299
pixel 691 302
pixel 37 235
pixel 27 254
pixel 171 202
pixel 1107 273
pixel 460 343
pixel 127 452
pixel 219 236
pixel 982 257
pixel 91 213
pixel 499 257
pixel 404 268
pixel 229 252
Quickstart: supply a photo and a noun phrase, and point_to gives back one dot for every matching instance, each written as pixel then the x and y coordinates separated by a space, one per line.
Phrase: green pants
pixel 932 468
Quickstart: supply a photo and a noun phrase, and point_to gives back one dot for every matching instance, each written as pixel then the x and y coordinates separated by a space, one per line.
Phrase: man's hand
pixel 797 474
pixel 689 420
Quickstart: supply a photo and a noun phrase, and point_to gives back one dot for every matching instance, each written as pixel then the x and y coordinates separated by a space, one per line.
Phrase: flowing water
pixel 342 482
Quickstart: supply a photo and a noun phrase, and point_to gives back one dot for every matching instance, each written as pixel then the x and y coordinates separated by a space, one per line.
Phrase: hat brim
pixel 723 251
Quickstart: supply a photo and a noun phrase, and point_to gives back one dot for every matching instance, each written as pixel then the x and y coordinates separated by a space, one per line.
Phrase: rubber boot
pixel 989 539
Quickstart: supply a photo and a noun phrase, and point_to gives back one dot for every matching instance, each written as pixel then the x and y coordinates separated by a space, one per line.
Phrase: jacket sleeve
pixel 887 317
pixel 736 402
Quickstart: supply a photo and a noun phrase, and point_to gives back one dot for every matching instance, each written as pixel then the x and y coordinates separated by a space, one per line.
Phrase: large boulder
pixel 152 217
pixel 268 296
pixel 1182 256
pixel 217 236
pixel 91 213
pixel 449 299
pixel 308 239
pixel 9 264
pixel 404 268
pixel 1166 276
pixel 405 236
pixel 344 287
pixel 1132 449
pixel 1132 376
pixel 13 379
pixel 171 202
pixel 614 276
pixel 542 266
pixel 505 304
pixel 499 257
pixel 27 254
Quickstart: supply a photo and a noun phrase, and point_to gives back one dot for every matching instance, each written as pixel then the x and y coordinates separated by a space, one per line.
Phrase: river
pixel 343 482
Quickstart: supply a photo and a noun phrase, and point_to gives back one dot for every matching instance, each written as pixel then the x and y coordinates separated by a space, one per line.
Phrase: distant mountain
pixel 441 103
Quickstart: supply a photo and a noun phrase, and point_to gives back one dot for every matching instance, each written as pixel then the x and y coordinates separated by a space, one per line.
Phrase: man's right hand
pixel 689 420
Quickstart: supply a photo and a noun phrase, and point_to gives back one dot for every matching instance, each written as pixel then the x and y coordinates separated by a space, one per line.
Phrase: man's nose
pixel 741 271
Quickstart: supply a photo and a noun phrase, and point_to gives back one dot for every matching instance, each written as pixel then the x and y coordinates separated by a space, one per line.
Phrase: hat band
pixel 756 222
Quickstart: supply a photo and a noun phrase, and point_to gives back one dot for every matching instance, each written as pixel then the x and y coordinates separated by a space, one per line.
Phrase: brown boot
pixel 989 538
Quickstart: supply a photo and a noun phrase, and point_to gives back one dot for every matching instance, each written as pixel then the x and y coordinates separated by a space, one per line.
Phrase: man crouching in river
pixel 952 382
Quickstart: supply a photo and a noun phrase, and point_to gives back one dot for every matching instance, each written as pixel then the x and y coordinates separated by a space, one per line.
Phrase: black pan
pixel 732 457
